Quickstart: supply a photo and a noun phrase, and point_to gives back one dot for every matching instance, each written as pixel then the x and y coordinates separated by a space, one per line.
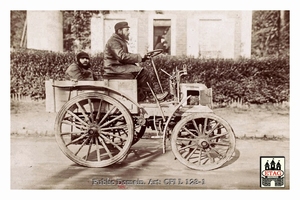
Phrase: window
pixel 162 35
pixel 210 37
pixel 157 25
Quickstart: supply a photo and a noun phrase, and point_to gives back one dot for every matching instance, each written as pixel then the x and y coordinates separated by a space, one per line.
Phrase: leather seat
pixel 117 76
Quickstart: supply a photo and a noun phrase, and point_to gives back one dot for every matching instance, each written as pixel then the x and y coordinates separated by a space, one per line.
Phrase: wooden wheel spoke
pixel 214 128
pixel 199 157
pixel 122 127
pixel 78 118
pixel 188 131
pixel 201 131
pixel 211 159
pixel 205 161
pixel 221 143
pixel 219 135
pixel 198 129
pixel 187 139
pixel 106 114
pixel 99 111
pixel 74 124
pixel 111 142
pixel 106 149
pixel 81 146
pixel 185 147
pixel 77 139
pixel 97 149
pixel 113 135
pixel 205 125
pixel 91 109
pixel 69 133
pixel 191 153
pixel 219 155
pixel 111 121
pixel 89 149
pixel 83 112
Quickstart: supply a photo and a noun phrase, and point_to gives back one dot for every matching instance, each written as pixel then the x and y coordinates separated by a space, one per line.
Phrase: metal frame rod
pixel 157 77
pixel 157 102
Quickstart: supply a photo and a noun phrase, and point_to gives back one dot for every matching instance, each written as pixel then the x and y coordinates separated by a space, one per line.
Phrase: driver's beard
pixel 124 36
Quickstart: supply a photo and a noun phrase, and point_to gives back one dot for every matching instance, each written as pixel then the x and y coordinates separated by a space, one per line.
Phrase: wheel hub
pixel 203 143
pixel 93 131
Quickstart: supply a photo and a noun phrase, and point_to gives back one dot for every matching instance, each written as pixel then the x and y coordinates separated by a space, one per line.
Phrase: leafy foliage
pixel 77 31
pixel 270 33
pixel 30 68
pixel 252 80
pixel 17 22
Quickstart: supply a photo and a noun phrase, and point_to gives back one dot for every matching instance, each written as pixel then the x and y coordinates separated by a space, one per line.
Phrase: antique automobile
pixel 98 121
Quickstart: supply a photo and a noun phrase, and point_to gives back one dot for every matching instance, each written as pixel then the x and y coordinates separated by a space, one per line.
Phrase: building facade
pixel 213 34
pixel 203 34
pixel 45 30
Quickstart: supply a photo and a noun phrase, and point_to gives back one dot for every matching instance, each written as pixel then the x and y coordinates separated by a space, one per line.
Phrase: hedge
pixel 30 68
pixel 254 81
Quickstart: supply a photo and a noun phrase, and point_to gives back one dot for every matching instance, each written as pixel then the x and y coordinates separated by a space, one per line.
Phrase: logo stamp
pixel 272 171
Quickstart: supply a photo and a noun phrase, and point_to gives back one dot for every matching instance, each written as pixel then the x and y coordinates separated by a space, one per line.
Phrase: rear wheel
pixel 203 141
pixel 94 130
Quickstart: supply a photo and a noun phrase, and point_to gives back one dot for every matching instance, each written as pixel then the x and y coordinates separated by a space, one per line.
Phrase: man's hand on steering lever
pixel 145 57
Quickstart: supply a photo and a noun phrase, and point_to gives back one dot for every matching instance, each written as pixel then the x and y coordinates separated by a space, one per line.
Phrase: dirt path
pixel 254 122
pixel 38 163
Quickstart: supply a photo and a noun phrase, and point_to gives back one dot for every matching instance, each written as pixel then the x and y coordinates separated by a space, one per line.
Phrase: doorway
pixel 162 35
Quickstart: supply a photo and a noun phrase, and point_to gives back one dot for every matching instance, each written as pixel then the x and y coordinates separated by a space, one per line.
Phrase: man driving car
pixel 117 60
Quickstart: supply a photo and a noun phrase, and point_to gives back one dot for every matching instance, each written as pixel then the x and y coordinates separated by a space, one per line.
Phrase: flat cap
pixel 121 25
pixel 82 54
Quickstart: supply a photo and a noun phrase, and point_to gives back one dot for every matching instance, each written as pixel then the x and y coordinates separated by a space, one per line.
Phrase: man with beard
pixel 117 60
pixel 81 69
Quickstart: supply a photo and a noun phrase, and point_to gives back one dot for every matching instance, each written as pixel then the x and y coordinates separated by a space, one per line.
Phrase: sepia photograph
pixel 150 99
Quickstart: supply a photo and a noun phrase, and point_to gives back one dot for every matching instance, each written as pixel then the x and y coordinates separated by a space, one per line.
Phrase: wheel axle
pixel 204 144
pixel 93 131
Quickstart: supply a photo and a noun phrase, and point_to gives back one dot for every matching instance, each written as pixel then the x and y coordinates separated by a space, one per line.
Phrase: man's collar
pixel 119 37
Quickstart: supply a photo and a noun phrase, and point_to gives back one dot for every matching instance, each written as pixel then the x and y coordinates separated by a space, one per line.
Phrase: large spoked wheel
pixel 94 130
pixel 154 53
pixel 203 141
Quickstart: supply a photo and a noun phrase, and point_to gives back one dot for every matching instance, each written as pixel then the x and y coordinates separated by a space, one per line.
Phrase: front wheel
pixel 203 141
pixel 94 130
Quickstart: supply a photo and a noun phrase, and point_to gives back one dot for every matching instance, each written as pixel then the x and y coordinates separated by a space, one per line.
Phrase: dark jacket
pixel 116 53
pixel 74 72
pixel 159 46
